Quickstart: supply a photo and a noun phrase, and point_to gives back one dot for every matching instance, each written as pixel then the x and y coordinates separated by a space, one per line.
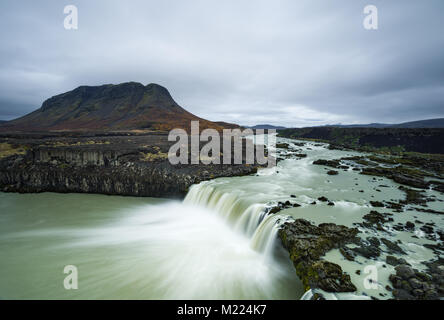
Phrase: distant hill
pixel 228 125
pixel 369 125
pixel 266 126
pixel 426 140
pixel 430 123
pixel 125 106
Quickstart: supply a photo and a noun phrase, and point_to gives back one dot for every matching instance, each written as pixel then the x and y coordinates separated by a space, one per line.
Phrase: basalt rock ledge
pixel 129 165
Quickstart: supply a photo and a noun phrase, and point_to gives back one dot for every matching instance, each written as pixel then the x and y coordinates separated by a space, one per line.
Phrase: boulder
pixel 307 243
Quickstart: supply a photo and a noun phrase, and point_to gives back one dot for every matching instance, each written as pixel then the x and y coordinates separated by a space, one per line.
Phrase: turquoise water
pixel 129 248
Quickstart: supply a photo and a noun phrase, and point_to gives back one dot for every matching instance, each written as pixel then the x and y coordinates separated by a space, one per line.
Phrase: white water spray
pixel 249 219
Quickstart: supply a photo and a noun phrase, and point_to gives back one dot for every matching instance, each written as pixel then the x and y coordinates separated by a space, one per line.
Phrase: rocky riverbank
pixel 122 164
pixel 424 140
pixel 418 172
pixel 321 252
pixel 307 243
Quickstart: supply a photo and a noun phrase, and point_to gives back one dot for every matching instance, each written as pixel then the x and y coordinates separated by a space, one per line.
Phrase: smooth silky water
pixel 216 244
pixel 132 248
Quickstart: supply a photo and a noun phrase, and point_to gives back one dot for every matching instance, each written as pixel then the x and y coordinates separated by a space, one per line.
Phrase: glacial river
pixel 216 244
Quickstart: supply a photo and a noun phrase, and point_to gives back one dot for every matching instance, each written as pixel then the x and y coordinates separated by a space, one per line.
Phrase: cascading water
pixel 213 245
pixel 249 219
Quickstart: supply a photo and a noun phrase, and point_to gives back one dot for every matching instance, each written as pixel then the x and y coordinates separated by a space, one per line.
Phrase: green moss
pixel 149 157
pixel 7 150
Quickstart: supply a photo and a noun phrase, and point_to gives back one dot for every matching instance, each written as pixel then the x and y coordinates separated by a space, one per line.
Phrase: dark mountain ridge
pixel 428 123
pixel 125 106
pixel 266 126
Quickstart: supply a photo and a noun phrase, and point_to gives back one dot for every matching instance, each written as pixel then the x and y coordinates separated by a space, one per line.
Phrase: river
pixel 215 244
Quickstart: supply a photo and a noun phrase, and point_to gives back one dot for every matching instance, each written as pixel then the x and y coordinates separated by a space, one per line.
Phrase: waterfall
pixel 248 219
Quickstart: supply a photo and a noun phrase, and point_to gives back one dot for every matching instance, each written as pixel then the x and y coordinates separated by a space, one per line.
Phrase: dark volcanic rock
pixel 393 247
pixel 410 284
pixel 404 271
pixel 393 205
pixel 317 296
pixel 374 219
pixel 347 253
pixel 409 225
pixel 327 163
pixel 427 140
pixel 437 185
pixel 301 155
pixel 328 276
pixel 282 145
pixel 393 261
pixel 332 172
pixel 307 243
pixel 410 181
pixel 281 206
pixel 412 196
pixel 368 249
pixel 427 229
pixel 377 204
pixel 399 175
pixel 114 165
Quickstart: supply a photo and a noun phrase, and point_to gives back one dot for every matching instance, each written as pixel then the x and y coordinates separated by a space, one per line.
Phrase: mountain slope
pixel 368 125
pixel 228 125
pixel 266 126
pixel 430 123
pixel 125 106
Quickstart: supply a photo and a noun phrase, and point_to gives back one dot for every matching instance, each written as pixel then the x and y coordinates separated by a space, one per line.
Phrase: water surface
pixel 216 244
pixel 130 248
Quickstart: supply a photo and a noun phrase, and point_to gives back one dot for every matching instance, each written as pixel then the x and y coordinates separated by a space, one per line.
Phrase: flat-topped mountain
pixel 125 106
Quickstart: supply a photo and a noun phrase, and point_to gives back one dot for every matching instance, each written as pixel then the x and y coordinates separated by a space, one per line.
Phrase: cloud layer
pixel 292 63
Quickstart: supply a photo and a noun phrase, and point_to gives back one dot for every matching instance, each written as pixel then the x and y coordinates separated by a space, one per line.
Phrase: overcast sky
pixel 292 63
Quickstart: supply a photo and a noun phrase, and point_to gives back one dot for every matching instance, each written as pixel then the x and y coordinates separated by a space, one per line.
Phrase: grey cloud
pixel 292 63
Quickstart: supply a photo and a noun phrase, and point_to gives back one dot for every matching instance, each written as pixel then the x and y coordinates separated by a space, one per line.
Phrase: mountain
pixel 369 125
pixel 266 126
pixel 430 123
pixel 124 106
pixel 228 125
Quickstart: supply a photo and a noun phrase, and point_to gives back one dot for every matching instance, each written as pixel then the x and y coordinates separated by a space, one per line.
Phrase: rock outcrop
pixel 307 243
pixel 425 140
pixel 411 284
pixel 118 165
